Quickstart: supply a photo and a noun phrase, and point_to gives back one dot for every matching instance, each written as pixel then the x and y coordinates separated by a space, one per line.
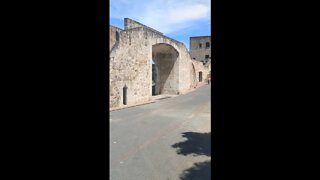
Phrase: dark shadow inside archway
pixel 155 86
pixel 164 74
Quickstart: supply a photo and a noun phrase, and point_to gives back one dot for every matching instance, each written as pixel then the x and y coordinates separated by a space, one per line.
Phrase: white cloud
pixel 166 16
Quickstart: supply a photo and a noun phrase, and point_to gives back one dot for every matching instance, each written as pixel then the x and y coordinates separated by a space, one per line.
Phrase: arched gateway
pixel 164 57
pixel 132 51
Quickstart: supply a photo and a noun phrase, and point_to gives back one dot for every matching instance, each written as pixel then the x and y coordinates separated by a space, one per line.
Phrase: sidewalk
pixel 132 105
pixel 159 97
pixel 153 100
pixel 193 89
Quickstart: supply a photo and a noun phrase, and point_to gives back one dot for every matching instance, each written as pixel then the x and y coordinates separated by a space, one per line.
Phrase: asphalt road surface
pixel 165 140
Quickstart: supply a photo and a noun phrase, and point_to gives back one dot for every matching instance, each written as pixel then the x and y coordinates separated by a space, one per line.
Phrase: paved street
pixel 165 140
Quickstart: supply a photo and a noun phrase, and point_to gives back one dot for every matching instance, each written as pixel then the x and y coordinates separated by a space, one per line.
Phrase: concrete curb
pixel 129 106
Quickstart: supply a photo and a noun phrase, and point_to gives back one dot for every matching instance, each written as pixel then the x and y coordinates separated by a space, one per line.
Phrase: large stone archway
pixel 132 51
pixel 165 57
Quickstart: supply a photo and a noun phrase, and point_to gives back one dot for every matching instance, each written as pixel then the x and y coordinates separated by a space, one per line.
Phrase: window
pixel 207 44
pixel 207 56
pixel 200 45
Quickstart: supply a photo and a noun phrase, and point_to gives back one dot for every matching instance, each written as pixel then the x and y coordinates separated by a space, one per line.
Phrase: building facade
pixel 200 48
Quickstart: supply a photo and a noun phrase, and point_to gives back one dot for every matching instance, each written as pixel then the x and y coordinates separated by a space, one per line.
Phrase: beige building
pixel 200 48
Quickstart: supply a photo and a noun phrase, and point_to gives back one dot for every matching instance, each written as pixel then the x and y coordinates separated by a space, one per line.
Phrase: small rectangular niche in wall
pixel 117 36
pixel 125 93
pixel 200 45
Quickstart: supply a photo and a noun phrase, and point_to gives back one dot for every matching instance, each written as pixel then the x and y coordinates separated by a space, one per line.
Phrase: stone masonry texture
pixel 131 53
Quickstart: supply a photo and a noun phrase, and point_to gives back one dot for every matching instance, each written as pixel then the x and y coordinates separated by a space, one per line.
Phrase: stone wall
pixel 130 24
pixel 113 33
pixel 130 64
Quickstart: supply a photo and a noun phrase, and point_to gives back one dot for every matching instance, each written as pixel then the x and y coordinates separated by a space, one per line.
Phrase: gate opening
pixel 164 73
pixel 154 78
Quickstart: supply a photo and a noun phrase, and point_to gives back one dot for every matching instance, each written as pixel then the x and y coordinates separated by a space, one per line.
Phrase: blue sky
pixel 178 19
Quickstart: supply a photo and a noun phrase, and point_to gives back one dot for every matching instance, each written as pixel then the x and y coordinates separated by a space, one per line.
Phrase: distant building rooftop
pixel 199 36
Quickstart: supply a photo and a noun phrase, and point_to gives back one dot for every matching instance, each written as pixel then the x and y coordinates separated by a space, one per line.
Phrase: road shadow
pixel 200 171
pixel 196 144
